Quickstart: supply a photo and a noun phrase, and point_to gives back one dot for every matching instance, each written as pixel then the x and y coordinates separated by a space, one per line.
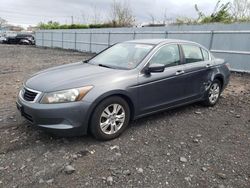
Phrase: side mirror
pixel 156 67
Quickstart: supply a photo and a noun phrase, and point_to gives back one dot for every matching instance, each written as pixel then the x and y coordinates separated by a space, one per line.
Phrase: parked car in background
pixel 124 82
pixel 26 39
pixel 2 39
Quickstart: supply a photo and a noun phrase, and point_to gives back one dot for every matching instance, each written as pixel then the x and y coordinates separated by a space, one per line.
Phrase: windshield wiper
pixel 102 65
pixel 85 61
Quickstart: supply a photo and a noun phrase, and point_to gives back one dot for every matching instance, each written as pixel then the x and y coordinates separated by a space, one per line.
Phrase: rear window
pixel 192 53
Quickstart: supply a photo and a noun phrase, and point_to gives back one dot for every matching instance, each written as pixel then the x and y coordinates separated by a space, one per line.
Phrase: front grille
pixel 29 95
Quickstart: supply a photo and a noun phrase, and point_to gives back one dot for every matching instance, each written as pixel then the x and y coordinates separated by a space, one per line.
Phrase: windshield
pixel 122 56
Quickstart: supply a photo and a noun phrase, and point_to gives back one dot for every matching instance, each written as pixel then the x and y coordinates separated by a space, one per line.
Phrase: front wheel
pixel 213 93
pixel 110 118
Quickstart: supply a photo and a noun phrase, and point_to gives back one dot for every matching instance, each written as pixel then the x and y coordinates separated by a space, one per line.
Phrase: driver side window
pixel 167 55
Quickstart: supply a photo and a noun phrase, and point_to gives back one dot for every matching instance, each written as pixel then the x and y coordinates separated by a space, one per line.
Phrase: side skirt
pixel 167 108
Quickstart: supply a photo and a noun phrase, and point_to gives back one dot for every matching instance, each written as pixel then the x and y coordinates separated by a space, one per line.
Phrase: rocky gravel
pixel 192 146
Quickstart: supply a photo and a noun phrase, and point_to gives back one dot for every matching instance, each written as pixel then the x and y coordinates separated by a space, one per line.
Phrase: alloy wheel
pixel 112 119
pixel 214 92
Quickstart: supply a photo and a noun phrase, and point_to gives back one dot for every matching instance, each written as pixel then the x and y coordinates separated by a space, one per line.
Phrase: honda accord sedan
pixel 126 81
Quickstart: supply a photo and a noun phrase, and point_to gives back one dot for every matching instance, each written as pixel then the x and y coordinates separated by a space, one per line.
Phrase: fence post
pixel 42 38
pixel 211 40
pixel 62 40
pixel 52 39
pixel 90 41
pixel 75 39
pixel 109 39
pixel 166 34
pixel 134 35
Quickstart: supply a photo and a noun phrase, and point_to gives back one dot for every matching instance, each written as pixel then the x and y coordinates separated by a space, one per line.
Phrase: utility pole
pixel 72 20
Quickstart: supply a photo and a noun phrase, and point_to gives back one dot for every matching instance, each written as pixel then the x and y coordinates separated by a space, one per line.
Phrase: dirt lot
pixel 191 146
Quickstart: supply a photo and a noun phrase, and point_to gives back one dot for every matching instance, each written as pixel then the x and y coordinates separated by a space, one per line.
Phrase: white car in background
pixel 2 39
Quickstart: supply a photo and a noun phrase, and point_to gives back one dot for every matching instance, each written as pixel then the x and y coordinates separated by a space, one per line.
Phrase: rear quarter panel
pixel 221 71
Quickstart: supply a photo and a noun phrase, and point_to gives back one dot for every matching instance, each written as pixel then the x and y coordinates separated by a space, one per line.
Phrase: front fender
pixel 116 92
pixel 132 97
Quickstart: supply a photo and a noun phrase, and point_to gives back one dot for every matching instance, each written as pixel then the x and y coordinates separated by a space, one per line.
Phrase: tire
pixel 24 43
pixel 213 94
pixel 108 123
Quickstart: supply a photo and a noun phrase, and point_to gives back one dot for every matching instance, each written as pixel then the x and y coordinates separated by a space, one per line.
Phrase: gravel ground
pixel 191 146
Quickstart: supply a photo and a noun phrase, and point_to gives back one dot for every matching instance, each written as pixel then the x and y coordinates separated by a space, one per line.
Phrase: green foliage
pixel 56 25
pixel 104 25
pixel 185 20
pixel 223 13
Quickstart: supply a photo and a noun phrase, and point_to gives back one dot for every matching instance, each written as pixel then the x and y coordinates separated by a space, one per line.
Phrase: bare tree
pixel 152 17
pixel 121 14
pixel 2 22
pixel 96 17
pixel 85 18
pixel 165 18
pixel 241 9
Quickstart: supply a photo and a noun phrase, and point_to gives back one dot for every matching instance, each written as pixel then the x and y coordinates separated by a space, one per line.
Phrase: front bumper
pixel 62 119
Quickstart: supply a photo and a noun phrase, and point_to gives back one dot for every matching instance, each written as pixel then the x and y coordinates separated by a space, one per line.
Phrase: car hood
pixel 69 76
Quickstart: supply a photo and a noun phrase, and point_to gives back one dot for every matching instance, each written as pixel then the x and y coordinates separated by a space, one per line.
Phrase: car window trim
pixel 202 54
pixel 209 56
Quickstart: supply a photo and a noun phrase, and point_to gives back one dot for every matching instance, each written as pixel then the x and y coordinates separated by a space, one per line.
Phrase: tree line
pixel 121 15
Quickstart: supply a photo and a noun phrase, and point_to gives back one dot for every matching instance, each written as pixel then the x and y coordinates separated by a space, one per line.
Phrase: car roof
pixel 159 41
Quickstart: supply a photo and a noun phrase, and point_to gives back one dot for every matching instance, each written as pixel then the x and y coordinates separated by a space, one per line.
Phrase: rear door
pixel 197 70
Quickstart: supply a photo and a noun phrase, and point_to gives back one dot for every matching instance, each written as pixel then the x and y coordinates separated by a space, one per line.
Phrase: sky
pixel 31 12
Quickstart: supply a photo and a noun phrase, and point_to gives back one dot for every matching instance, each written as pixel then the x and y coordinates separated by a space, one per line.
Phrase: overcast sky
pixel 31 12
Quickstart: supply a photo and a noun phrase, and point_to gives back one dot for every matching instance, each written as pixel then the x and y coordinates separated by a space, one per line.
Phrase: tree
pixel 49 25
pixel 121 14
pixel 165 18
pixel 241 9
pixel 152 17
pixel 96 18
pixel 2 22
pixel 221 13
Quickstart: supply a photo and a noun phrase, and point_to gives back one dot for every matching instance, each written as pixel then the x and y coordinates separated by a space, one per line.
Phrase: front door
pixel 161 90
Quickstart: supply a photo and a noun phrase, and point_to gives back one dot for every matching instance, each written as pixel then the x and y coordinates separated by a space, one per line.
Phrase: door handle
pixel 179 72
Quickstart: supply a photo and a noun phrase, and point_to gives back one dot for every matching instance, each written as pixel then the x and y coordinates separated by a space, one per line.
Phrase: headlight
pixel 64 96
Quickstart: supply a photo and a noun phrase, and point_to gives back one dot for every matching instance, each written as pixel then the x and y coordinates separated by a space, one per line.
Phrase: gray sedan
pixel 127 81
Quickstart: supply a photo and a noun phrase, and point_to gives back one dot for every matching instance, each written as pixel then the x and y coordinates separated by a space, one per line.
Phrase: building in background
pixel 32 28
pixel 9 30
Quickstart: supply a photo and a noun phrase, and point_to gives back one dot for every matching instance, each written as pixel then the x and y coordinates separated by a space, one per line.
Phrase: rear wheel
pixel 24 42
pixel 110 118
pixel 213 93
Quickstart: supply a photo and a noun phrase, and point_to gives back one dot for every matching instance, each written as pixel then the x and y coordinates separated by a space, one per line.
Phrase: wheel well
pixel 130 104
pixel 220 78
pixel 126 98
